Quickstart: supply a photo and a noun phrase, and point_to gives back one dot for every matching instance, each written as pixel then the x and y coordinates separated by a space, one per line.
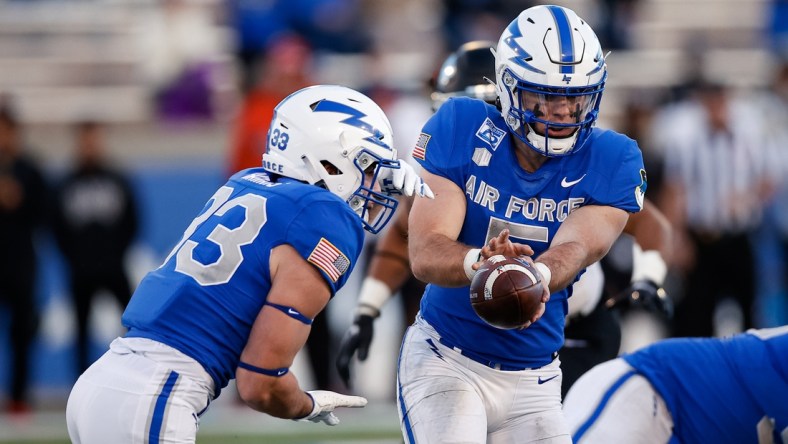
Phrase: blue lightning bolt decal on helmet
pixel 521 57
pixel 355 119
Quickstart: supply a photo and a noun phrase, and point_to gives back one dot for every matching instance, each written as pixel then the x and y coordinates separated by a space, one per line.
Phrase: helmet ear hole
pixel 331 169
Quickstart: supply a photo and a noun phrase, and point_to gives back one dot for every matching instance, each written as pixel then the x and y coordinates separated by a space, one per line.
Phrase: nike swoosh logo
pixel 541 381
pixel 566 184
pixel 292 312
pixel 281 372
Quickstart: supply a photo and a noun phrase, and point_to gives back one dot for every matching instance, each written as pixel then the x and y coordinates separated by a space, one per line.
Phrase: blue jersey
pixel 719 390
pixel 207 294
pixel 467 142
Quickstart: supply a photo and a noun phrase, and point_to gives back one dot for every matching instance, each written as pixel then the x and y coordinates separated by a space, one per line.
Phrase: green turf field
pixel 376 423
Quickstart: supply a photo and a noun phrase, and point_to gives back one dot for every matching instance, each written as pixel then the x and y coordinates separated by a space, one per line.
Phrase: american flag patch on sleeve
pixel 420 150
pixel 328 258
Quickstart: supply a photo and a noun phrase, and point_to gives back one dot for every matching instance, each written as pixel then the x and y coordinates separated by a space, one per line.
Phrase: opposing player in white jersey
pixel 538 173
pixel 690 391
pixel 236 296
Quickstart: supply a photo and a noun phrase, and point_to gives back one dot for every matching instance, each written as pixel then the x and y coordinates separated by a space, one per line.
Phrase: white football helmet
pixel 331 136
pixel 550 72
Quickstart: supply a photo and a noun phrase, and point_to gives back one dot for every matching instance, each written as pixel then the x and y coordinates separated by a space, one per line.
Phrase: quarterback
pixel 538 172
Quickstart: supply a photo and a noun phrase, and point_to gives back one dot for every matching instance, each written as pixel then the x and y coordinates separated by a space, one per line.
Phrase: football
pixel 506 292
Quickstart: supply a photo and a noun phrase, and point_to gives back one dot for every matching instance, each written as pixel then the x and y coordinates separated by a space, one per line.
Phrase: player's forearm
pixel 651 230
pixel 439 260
pixel 565 261
pixel 390 263
pixel 283 398
pixel 390 270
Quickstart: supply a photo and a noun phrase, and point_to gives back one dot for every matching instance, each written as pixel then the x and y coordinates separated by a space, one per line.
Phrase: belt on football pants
pixel 495 365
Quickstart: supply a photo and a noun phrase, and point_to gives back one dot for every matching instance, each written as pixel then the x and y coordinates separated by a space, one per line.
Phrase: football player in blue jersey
pixel 534 178
pixel 236 296
pixel 593 330
pixel 687 390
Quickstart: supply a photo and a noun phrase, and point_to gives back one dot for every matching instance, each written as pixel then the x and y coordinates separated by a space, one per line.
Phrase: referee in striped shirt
pixel 717 181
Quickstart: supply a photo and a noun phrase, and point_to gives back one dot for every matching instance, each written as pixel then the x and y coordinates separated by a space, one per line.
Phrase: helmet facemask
pixel 358 186
pixel 545 115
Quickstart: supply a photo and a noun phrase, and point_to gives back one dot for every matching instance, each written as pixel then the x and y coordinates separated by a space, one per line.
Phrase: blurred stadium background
pixel 116 60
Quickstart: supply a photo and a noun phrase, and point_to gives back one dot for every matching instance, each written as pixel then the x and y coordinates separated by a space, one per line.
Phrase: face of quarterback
pixel 555 109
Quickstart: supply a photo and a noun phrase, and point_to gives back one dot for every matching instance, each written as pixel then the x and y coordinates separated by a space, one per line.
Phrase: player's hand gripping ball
pixel 506 292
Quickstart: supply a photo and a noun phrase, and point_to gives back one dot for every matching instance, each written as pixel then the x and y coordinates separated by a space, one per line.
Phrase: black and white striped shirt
pixel 721 171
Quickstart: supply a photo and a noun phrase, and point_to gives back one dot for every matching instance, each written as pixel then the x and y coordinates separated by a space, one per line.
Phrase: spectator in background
pixel 22 206
pixel 467 20
pixel 179 42
pixel 716 182
pixel 284 68
pixel 256 25
pixel 95 221
pixel 616 20
pixel 326 25
pixel 330 25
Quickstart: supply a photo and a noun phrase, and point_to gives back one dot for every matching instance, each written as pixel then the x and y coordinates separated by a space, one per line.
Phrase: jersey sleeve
pixel 622 181
pixel 435 148
pixel 330 237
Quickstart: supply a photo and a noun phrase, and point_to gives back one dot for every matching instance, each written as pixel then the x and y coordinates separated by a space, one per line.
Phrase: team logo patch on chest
pixel 328 258
pixel 490 133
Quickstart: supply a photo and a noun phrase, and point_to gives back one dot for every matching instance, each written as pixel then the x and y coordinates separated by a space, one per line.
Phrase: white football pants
pixel 611 404
pixel 445 397
pixel 139 392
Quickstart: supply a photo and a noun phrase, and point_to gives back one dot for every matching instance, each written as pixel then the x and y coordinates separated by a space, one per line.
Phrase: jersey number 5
pixel 531 233
pixel 229 241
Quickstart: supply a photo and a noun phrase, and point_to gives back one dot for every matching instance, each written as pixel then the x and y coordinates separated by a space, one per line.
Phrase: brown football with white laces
pixel 506 292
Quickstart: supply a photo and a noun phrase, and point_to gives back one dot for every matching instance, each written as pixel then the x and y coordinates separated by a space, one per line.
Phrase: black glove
pixel 357 337
pixel 645 294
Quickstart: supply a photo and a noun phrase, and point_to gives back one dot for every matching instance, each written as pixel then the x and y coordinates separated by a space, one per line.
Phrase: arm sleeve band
pixel 277 372
pixel 290 311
